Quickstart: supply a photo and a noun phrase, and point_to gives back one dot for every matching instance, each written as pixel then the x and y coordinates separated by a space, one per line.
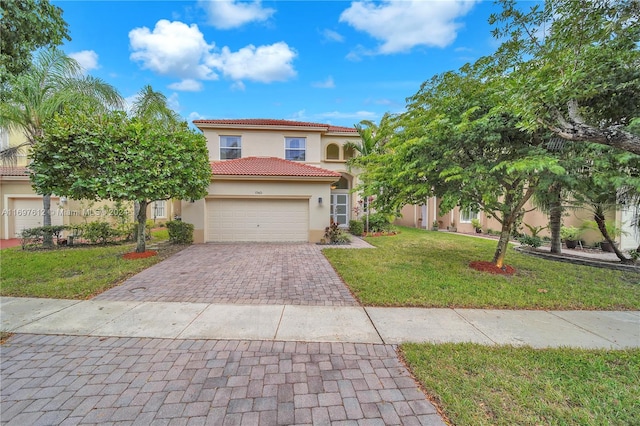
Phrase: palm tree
pixel 53 82
pixel 152 106
pixel 372 136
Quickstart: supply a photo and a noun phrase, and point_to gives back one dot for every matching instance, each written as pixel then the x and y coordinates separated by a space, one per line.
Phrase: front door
pixel 340 209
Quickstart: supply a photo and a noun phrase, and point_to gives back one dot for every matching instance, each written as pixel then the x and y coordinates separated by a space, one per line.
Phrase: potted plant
pixel 475 222
pixel 570 235
pixel 435 226
pixel 452 227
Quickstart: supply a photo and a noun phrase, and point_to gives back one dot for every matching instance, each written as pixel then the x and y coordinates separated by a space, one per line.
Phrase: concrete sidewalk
pixel 175 320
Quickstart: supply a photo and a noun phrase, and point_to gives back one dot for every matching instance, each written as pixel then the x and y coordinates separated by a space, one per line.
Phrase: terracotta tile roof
pixel 268 166
pixel 275 123
pixel 14 171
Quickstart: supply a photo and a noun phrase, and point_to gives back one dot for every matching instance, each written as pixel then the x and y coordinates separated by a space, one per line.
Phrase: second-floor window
pixel 295 149
pixel 230 147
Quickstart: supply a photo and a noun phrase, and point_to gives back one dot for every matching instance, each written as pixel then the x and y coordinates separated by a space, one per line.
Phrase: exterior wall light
pixel 319 200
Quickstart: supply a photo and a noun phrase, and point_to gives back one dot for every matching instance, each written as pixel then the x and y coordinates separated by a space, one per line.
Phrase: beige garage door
pixel 27 213
pixel 257 220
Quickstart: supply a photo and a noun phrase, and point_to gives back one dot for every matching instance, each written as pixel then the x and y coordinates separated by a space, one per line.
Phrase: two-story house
pixel 273 180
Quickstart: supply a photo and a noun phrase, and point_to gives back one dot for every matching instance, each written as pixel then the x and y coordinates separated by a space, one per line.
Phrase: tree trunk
pixel 599 218
pixel 555 219
pixel 142 222
pixel 46 220
pixel 503 243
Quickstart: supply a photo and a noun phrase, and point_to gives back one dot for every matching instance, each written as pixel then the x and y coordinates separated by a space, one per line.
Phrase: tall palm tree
pixel 152 106
pixel 53 82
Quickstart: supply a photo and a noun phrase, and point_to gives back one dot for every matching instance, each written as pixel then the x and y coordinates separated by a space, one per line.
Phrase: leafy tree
pixel 573 66
pixel 456 143
pixel 607 180
pixel 53 82
pixel 26 26
pixel 120 158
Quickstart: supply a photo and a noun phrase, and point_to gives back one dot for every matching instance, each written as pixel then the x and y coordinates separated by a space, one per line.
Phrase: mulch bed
pixel 484 266
pixel 136 255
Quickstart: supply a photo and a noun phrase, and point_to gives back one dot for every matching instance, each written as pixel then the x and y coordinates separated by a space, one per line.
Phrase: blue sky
pixel 333 62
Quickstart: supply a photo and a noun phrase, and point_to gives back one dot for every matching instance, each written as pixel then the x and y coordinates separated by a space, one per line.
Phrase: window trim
pixel 304 149
pixel 326 152
pixel 154 209
pixel 230 148
pixel 472 215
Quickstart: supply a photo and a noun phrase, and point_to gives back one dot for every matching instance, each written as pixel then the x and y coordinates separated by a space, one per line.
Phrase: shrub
pixel 570 233
pixel 99 232
pixel 33 237
pixel 356 227
pixel 531 241
pixel 334 235
pixel 180 232
pixel 379 222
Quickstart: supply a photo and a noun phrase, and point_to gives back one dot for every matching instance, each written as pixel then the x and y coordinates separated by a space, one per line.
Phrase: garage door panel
pixel 257 220
pixel 28 214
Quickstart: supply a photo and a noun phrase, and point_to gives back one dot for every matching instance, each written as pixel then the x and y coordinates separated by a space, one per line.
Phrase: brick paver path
pixel 90 380
pixel 275 274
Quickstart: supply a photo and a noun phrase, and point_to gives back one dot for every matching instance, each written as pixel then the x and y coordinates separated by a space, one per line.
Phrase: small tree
pixel 120 158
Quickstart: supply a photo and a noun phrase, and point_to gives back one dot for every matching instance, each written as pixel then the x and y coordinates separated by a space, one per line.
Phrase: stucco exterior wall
pixel 258 143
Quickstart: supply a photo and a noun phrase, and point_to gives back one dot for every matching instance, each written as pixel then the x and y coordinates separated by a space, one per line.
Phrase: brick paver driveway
pixel 292 274
pixel 64 380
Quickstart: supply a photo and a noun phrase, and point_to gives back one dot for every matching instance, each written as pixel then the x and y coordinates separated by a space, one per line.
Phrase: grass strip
pixel 488 385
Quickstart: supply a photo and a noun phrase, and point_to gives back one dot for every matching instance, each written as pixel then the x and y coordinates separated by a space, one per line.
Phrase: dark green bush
pixel 379 222
pixel 180 232
pixel 356 227
pixel 99 232
pixel 33 237
pixel 531 241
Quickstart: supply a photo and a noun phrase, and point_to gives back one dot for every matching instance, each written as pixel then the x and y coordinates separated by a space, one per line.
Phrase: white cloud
pixel 187 85
pixel 238 85
pixel 401 25
pixel 180 50
pixel 299 115
pixel 327 84
pixel 173 102
pixel 88 59
pixel 172 48
pixel 227 14
pixel 264 64
pixel 331 35
pixel 194 116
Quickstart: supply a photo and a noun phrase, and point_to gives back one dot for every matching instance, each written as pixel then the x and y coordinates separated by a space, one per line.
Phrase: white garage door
pixel 257 220
pixel 27 213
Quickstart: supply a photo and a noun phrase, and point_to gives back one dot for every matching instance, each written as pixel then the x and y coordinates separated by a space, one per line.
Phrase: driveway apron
pixel 265 274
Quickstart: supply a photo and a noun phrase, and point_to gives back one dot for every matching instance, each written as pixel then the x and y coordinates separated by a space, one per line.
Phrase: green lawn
pixel 480 385
pixel 71 273
pixel 430 269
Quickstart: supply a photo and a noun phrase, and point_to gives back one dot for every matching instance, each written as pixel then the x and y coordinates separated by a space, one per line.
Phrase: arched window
pixel 349 153
pixel 333 152
pixel 343 183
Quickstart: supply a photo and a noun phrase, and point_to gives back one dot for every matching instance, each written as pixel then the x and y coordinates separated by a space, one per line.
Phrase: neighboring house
pixel 423 216
pixel 273 180
pixel 21 208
